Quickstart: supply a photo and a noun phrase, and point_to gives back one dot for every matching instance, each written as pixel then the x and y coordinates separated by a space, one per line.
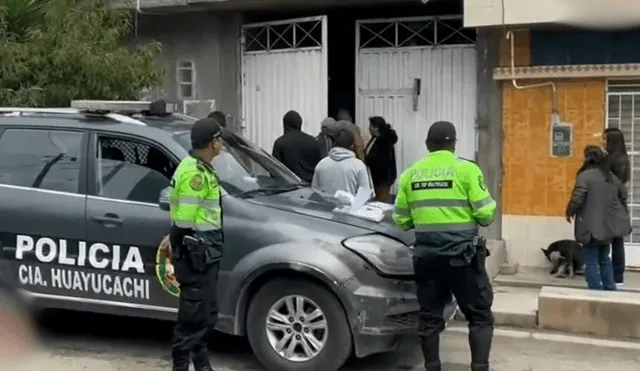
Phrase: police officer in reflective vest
pixel 196 239
pixel 445 199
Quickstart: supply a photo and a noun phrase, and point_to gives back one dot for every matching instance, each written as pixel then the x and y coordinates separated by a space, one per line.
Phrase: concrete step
pixel 498 250
pixel 601 313
pixel 538 277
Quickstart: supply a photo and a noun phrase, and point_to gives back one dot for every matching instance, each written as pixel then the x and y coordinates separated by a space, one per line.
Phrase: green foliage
pixel 54 51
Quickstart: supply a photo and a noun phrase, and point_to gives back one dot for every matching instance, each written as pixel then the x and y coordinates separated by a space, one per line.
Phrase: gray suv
pixel 82 229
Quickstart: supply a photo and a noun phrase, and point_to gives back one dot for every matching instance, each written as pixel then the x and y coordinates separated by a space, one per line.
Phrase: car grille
pixel 406 320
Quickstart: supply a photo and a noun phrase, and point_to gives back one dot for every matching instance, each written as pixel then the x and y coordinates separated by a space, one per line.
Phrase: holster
pixel 478 246
pixel 194 254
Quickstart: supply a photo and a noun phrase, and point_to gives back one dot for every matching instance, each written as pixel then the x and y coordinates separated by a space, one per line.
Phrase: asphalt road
pixel 81 342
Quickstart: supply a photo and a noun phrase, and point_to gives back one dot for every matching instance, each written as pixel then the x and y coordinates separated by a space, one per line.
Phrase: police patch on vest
pixel 197 182
pixel 432 184
pixel 481 183
pixel 164 268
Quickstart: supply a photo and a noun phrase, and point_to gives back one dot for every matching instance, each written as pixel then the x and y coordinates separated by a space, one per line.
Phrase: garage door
pixel 284 67
pixel 413 72
pixel 623 111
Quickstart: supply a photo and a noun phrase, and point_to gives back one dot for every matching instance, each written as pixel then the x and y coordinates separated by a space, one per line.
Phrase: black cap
pixel 441 132
pixel 204 131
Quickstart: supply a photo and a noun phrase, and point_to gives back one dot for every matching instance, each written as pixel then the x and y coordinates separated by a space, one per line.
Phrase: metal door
pixel 413 72
pixel 284 67
pixel 623 112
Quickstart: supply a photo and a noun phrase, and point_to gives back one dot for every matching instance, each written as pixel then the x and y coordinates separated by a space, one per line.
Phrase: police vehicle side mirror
pixel 163 201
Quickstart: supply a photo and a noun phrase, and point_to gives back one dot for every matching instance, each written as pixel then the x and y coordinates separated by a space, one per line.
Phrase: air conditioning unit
pixel 198 108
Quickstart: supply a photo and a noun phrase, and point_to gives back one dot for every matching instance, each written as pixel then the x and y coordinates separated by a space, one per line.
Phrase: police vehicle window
pixel 131 170
pixel 38 158
pixel 244 167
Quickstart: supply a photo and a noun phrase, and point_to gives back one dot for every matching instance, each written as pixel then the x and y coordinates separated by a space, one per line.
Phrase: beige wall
pixel 480 13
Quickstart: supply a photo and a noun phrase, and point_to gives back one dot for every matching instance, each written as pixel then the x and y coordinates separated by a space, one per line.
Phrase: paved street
pixel 79 342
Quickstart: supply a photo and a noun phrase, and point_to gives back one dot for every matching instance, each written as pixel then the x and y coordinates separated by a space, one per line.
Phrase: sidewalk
pixel 540 351
pixel 538 277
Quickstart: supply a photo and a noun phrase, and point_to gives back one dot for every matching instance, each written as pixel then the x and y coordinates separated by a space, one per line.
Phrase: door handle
pixel 108 218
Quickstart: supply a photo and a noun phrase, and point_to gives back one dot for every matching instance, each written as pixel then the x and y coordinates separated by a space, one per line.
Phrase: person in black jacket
pixel 618 162
pixel 296 149
pixel 380 157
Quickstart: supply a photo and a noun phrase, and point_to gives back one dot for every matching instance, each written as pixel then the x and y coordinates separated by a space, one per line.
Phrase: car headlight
pixel 385 254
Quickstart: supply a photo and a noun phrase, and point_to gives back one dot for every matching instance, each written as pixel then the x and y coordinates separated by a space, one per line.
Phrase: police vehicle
pixel 83 227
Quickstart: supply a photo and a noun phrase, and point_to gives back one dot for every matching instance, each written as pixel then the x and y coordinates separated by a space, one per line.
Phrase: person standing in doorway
pixel 296 149
pixel 599 206
pixel 344 116
pixel 380 157
pixel 445 199
pixel 328 133
pixel 618 163
pixel 220 117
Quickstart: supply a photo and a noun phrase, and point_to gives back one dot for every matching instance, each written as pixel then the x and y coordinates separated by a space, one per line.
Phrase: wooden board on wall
pixel 535 183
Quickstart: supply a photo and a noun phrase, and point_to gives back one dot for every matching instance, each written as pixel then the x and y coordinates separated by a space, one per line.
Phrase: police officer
pixel 196 240
pixel 445 199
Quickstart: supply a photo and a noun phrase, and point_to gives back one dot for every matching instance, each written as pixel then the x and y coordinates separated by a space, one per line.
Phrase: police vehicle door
pixel 42 205
pixel 126 176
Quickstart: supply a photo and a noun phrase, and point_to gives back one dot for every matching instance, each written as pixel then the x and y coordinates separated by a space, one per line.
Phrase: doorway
pixel 341 63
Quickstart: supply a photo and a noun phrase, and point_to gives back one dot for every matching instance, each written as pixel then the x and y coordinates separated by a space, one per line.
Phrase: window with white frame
pixel 186 76
pixel 623 112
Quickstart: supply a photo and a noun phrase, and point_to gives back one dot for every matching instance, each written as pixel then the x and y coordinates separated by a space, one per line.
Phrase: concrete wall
pixel 211 41
pixel 536 186
pixel 488 118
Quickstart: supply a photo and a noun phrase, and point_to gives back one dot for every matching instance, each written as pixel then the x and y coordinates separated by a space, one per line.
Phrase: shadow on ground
pixel 98 333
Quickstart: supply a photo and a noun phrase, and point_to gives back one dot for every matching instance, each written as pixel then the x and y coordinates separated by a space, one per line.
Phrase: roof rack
pixel 158 107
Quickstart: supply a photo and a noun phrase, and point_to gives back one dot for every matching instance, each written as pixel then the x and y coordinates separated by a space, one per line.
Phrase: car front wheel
pixel 298 326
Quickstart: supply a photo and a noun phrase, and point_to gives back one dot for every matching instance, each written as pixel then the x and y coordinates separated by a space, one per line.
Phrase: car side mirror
pixel 163 200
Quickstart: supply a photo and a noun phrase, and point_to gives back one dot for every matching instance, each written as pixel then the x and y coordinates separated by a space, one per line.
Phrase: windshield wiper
pixel 268 191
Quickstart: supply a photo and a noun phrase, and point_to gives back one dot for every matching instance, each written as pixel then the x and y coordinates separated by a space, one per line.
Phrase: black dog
pixel 567 257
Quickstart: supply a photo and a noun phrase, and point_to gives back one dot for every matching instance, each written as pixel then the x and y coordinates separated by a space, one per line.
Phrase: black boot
pixel 480 339
pixel 479 367
pixel 431 350
pixel 180 361
pixel 201 361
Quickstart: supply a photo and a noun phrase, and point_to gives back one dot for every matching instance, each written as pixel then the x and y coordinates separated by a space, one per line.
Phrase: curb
pixel 554 337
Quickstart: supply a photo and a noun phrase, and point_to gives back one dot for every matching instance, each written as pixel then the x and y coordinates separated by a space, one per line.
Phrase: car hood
pixel 304 203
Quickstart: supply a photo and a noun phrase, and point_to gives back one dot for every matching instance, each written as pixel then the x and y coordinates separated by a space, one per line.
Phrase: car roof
pixel 154 128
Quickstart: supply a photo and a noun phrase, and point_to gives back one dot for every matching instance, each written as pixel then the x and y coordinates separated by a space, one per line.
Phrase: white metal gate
pixel 413 72
pixel 284 67
pixel 623 112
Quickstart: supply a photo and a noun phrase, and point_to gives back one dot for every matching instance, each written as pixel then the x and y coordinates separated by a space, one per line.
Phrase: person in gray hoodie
pixel 599 206
pixel 341 170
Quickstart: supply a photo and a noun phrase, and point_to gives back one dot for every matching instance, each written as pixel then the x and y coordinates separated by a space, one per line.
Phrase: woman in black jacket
pixel 618 162
pixel 380 157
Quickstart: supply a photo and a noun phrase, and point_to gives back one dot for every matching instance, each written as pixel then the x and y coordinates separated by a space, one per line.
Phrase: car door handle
pixel 108 219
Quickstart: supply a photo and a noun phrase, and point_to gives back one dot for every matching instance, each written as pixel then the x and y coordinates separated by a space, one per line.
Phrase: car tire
pixel 337 338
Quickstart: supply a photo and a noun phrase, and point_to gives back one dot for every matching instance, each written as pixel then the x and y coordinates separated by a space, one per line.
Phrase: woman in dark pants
pixel 618 162
pixel 380 157
pixel 598 206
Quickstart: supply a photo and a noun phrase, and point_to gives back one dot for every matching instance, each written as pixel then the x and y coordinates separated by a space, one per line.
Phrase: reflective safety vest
pixel 195 196
pixel 444 198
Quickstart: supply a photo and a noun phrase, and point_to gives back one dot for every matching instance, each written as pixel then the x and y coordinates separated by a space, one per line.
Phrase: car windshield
pixel 243 168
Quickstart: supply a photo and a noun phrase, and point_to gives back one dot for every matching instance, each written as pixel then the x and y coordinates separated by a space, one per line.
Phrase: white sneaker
pixel 620 284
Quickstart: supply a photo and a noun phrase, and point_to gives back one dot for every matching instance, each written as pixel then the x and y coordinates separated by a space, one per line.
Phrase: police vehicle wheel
pixel 298 326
